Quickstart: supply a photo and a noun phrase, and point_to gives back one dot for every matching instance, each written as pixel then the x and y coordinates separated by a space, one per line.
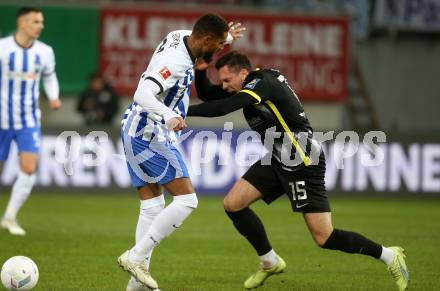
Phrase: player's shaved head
pixel 235 60
pixel 210 24
pixel 26 10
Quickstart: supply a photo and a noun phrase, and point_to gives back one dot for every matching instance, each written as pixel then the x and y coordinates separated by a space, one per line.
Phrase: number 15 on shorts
pixel 298 190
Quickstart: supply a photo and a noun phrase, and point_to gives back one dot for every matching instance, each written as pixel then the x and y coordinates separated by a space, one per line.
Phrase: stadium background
pixel 382 76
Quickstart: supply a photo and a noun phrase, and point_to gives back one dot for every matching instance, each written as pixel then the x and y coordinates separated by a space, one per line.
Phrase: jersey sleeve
pixel 206 91
pixel 257 88
pixel 49 67
pixel 221 107
pixel 166 71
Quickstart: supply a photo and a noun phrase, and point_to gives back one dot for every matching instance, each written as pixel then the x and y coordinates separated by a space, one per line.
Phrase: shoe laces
pixel 261 268
pixel 397 270
pixel 144 268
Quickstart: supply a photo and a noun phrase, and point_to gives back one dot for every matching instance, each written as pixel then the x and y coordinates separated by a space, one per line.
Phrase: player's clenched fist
pixel 55 104
pixel 176 123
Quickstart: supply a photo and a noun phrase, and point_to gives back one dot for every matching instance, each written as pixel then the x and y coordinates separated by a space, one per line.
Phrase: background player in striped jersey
pixel 23 62
pixel 294 165
pixel 150 125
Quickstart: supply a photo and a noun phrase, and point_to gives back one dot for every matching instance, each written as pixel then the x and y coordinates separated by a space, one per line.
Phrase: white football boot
pixel 138 270
pixel 12 226
pixel 134 285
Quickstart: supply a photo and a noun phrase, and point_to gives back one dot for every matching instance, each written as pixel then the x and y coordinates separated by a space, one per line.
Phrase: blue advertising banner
pixel 418 15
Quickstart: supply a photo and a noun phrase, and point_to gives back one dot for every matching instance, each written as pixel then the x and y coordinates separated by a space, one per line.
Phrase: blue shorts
pixel 152 162
pixel 27 140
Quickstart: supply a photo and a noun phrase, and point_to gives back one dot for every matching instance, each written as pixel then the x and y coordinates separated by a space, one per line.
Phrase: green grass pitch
pixel 75 240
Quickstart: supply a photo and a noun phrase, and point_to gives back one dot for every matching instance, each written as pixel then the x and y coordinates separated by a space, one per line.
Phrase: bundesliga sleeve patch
pixel 165 73
pixel 252 84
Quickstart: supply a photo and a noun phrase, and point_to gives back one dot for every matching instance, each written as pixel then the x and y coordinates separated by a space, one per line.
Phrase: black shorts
pixel 304 187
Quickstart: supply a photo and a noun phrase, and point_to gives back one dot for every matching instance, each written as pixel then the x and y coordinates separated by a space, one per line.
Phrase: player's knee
pixel 320 241
pixel 320 238
pixel 188 200
pixel 28 163
pixel 227 204
pixel 232 205
pixel 28 169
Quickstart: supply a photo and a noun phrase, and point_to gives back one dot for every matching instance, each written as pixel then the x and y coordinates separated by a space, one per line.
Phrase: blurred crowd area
pixel 301 5
pixel 358 10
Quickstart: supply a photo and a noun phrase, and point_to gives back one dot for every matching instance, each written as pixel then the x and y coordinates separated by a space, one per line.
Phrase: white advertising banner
pixel 351 167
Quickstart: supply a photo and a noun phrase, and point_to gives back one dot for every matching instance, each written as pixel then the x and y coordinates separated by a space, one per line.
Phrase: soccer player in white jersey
pixel 150 125
pixel 23 62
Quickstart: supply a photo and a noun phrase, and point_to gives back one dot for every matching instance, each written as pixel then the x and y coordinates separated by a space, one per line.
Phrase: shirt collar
pixel 16 42
pixel 185 41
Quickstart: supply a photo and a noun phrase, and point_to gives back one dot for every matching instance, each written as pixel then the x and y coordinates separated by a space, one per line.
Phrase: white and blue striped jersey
pixel 171 68
pixel 20 73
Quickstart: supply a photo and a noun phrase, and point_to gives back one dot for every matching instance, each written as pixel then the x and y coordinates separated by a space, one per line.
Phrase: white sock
pixel 269 260
pixel 149 209
pixel 19 194
pixel 387 255
pixel 168 220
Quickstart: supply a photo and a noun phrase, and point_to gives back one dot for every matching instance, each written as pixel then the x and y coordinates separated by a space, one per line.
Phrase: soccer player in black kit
pixel 270 106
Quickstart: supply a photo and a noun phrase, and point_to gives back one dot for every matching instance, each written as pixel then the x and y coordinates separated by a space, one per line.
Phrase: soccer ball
pixel 19 273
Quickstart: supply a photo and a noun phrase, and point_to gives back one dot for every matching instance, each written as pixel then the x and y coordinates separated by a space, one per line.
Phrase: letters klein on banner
pixel 311 51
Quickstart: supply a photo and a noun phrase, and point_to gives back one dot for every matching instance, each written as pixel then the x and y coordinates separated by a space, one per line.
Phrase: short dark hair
pixel 234 60
pixel 27 9
pixel 210 24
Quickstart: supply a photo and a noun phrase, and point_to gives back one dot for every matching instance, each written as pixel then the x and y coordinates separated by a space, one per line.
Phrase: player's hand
pixel 236 29
pixel 55 104
pixel 181 124
pixel 176 123
pixel 201 64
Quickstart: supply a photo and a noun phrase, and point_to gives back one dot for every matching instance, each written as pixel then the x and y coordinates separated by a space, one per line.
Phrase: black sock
pixel 250 226
pixel 354 243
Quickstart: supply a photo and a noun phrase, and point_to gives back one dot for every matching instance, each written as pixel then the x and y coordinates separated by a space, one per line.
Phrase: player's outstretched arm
pixel 52 89
pixel 50 81
pixel 221 107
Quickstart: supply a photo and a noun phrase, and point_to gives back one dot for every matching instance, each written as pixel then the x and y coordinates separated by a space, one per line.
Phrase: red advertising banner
pixel 311 51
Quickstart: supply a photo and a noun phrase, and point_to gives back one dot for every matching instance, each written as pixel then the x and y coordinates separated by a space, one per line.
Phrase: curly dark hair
pixel 210 24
